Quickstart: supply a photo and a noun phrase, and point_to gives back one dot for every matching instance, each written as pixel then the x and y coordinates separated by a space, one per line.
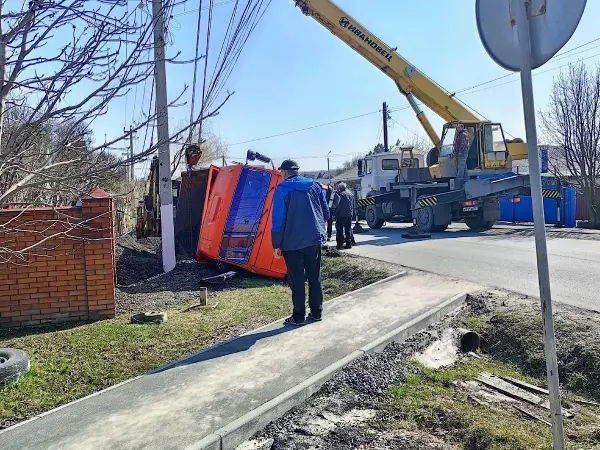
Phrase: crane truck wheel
pixel 373 220
pixel 425 220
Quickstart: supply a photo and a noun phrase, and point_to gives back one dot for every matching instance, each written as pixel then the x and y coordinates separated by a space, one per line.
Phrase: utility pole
pixel 223 159
pixel 132 166
pixel 328 171
pixel 164 154
pixel 385 127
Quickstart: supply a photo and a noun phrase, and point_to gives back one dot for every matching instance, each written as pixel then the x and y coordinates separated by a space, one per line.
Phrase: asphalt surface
pixel 503 257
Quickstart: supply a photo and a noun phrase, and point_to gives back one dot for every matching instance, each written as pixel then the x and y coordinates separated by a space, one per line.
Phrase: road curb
pixel 241 429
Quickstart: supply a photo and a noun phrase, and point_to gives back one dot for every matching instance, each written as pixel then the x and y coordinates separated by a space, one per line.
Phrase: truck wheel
pixel 373 221
pixel 440 228
pixel 478 224
pixel 425 220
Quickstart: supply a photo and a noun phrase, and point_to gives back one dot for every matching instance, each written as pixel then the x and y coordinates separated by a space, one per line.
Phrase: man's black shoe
pixel 291 321
pixel 313 318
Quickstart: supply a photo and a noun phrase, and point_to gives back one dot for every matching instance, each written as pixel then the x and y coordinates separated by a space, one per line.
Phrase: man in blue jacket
pixel 300 212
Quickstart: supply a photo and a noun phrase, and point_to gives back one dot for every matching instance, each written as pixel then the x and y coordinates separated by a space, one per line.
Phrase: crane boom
pixel 410 81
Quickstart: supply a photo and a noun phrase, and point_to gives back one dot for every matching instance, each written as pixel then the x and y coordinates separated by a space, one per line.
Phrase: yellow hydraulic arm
pixel 409 80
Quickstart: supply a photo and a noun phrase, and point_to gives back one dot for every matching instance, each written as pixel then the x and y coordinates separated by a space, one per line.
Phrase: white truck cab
pixel 376 171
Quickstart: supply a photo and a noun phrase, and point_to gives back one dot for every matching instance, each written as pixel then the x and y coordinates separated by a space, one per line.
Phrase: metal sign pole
pixel 540 229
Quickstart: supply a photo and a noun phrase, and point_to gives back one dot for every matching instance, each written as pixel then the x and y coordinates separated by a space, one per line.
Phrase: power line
pixel 558 56
pixel 189 11
pixel 536 73
pixel 303 156
pixel 406 107
pixel 304 129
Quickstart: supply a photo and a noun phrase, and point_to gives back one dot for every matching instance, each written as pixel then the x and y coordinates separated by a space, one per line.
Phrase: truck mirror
pixel 360 167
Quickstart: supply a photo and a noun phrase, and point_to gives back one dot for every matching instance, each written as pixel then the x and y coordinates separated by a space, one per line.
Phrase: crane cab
pixel 488 150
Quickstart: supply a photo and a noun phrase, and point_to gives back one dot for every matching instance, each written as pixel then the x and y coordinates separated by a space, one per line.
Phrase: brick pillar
pixel 99 233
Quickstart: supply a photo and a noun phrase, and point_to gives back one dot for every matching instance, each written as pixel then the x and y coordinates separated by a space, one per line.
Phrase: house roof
pixel 348 175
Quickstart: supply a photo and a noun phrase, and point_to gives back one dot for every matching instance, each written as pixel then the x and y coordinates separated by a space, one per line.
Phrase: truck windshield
pixel 390 164
pixel 448 141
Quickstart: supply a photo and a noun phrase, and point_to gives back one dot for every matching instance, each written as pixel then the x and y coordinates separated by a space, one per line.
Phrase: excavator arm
pixel 409 80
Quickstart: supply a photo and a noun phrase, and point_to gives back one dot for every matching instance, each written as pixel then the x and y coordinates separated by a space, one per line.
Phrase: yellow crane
pixel 490 151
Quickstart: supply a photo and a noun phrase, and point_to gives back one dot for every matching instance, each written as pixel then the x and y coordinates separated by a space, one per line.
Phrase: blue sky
pixel 294 74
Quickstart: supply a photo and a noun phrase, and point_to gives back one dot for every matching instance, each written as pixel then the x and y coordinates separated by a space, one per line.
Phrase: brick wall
pixel 66 269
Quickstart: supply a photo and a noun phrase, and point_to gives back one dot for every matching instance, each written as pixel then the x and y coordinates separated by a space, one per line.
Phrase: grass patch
pixel 67 364
pixel 513 333
pixel 431 402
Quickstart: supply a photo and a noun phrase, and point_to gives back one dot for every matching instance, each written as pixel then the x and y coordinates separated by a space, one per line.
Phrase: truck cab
pixel 378 170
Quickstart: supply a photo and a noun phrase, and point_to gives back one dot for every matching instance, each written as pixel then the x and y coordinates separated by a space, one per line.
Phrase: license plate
pixel 470 208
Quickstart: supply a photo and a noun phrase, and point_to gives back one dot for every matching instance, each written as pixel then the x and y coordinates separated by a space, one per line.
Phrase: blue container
pixel 523 210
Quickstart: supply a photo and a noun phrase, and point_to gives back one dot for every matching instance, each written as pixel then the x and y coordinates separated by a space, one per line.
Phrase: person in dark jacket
pixel 329 197
pixel 344 211
pixel 461 153
pixel 299 214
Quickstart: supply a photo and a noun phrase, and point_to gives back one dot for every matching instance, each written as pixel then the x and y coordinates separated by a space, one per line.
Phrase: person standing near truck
pixel 329 197
pixel 298 233
pixel 461 152
pixel 344 211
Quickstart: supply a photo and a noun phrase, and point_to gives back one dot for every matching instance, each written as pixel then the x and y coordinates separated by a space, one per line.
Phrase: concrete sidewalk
pixel 181 404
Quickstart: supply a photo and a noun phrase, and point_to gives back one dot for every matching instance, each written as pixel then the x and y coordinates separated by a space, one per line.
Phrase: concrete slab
pixel 197 397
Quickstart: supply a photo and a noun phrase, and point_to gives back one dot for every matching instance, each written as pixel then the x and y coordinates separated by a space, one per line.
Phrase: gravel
pixel 359 387
pixel 137 260
pixel 143 286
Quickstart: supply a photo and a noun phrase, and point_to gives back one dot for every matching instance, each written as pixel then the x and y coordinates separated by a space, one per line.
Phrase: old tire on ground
pixel 13 365
pixel 478 224
pixel 373 220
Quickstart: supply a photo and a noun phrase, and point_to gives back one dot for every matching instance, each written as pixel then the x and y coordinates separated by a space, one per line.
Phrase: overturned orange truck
pixel 236 219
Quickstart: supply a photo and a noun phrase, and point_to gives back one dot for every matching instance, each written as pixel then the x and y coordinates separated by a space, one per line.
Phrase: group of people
pixel 342 208
pixel 302 218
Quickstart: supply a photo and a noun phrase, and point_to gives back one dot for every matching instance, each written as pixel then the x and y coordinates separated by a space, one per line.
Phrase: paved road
pixel 503 257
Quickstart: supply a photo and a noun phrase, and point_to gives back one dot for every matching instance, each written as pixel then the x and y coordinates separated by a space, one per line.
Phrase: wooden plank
pixel 508 389
pixel 531 416
pixel 512 391
pixel 526 386
pixel 586 403
pixel 565 412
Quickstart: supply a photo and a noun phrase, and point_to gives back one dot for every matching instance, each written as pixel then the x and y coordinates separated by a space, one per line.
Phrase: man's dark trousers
pixel 330 227
pixel 343 226
pixel 300 262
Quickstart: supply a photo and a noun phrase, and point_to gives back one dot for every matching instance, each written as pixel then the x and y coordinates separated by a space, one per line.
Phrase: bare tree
pixel 572 124
pixel 64 62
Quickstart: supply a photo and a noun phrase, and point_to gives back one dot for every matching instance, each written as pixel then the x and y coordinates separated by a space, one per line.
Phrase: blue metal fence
pixel 522 210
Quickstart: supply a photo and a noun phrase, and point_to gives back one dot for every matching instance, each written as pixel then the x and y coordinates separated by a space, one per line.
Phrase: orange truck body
pixel 236 221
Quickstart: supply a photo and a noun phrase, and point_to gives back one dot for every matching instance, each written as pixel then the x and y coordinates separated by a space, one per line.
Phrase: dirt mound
pixel 511 329
pixel 137 259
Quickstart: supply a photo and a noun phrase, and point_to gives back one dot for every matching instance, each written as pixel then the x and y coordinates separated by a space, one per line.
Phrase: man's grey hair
pixel 342 186
pixel 291 173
